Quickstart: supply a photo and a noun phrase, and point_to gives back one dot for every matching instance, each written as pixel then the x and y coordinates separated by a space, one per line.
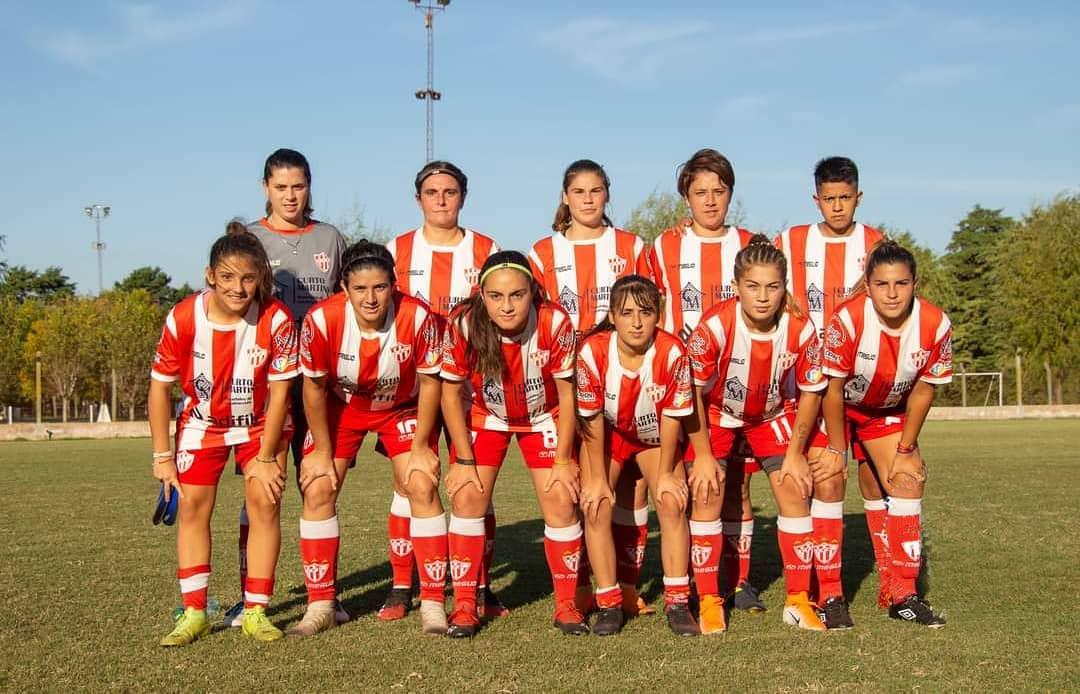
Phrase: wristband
pixel 162 455
pixel 905 450
pixel 267 461
pixel 467 462
pixel 560 462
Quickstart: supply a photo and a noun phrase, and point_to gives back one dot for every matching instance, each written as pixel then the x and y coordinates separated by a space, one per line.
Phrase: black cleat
pixel 681 622
pixel 568 620
pixel 746 598
pixel 834 613
pixel 609 621
pixel 917 611
pixel 463 623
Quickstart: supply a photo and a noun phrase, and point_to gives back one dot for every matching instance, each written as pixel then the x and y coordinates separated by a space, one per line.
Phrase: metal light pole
pixel 97 212
pixel 429 95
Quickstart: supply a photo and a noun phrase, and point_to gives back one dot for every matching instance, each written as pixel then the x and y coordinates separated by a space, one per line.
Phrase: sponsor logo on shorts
pixel 696 344
pixel 938 368
pixel 833 336
pixel 814 375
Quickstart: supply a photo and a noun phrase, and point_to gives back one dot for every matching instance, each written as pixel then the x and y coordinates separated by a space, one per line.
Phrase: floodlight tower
pixel 97 212
pixel 429 95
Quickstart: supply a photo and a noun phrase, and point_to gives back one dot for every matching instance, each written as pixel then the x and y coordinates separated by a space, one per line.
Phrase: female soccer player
pixel 693 266
pixel 439 263
pixel 508 363
pixel 305 255
pixel 577 266
pixel 638 377
pixel 748 354
pixel 232 347
pixel 379 352
pixel 885 352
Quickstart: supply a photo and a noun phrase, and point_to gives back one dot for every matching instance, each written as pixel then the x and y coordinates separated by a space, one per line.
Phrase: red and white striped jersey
pixel 694 273
pixel 823 271
pixel 443 276
pixel 882 365
pixel 745 375
pixel 633 401
pixel 524 397
pixel 371 370
pixel 578 275
pixel 224 370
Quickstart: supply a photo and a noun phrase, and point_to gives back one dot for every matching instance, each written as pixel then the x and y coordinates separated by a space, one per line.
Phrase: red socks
pixel 630 530
pixel 489 545
pixel 401 546
pixel 193 584
pixel 430 543
pixel 876 514
pixel 257 591
pixel 608 597
pixel 562 547
pixel 738 536
pixel 828 520
pixel 319 542
pixel 706 545
pixel 466 546
pixel 676 590
pixel 905 545
pixel 795 537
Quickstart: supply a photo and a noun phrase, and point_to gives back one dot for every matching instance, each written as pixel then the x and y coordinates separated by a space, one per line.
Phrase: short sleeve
pixel 563 343
pixel 808 373
pixel 590 387
pixel 643 262
pixel 428 345
pixel 839 349
pixel 703 353
pixel 314 354
pixel 655 271
pixel 166 366
pixel 284 352
pixel 939 370
pixel 455 354
pixel 679 401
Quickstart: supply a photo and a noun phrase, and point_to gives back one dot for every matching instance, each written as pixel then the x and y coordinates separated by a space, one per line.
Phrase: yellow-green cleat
pixel 191 625
pixel 258 626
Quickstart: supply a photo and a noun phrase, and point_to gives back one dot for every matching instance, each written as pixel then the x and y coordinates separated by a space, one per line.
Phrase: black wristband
pixel 467 462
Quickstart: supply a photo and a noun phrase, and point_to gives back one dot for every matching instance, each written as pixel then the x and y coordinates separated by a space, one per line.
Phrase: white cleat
pixel 433 618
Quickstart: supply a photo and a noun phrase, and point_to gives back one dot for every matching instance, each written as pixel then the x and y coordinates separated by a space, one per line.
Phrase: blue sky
pixel 166 111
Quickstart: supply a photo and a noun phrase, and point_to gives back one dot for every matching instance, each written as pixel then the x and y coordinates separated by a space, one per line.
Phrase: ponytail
pixel 239 241
pixel 562 213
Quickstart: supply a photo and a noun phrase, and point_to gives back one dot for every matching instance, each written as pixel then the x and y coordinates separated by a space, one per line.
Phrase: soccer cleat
pixel 433 618
pixel 258 626
pixel 800 612
pixel 884 597
pixel 190 625
pixel 569 620
pixel 340 615
pixel 835 615
pixel 680 621
pixel 234 616
pixel 609 621
pixel 491 607
pixel 397 604
pixel 917 611
pixel 463 622
pixel 633 605
pixel 319 617
pixel 746 598
pixel 711 615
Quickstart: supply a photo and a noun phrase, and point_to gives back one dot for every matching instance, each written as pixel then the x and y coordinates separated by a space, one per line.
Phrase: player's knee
pixel 421 490
pixel 601 520
pixel 319 496
pixel 831 489
pixel 469 503
pixel 706 511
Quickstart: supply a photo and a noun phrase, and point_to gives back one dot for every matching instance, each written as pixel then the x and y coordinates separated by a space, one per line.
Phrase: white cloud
pixel 938 75
pixel 141 26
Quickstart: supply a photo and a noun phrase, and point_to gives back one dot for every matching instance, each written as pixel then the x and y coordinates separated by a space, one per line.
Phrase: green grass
pixel 87 587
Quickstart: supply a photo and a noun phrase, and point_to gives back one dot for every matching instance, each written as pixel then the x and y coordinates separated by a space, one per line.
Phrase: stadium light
pixel 428 95
pixel 97 212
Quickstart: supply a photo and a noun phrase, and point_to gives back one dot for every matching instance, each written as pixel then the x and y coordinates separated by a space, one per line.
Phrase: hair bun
pixel 235 228
pixel 759 238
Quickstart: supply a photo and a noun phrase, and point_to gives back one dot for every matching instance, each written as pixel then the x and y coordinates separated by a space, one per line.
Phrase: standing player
pixel 232 348
pixel 638 378
pixel 508 363
pixel 439 263
pixel 305 256
pixel 747 354
pixel 694 268
pixel 885 353
pixel 378 351
pixel 826 261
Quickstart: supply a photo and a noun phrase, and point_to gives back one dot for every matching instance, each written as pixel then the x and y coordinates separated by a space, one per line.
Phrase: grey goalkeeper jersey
pixel 306 262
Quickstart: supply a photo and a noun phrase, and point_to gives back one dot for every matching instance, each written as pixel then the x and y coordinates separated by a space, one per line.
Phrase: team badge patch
pixel 805 551
pixel 459 567
pixel 912 548
pixel 401 547
pixel 700 554
pixel 401 352
pixel 617 265
pixel 825 552
pixel 256 356
pixel 919 358
pixel 472 276
pixel 656 392
pixel 184 459
pixel 539 358
pixel 436 570
pixel 316 571
pixel 786 360
pixel 570 558
pixel 322 261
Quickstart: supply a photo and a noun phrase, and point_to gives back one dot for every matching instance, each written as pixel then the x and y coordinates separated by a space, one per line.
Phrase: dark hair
pixel 239 241
pixel 443 167
pixel 289 159
pixel 484 336
pixel 889 252
pixel 562 214
pixel 836 170
pixel 704 160
pixel 761 251
pixel 364 254
pixel 641 289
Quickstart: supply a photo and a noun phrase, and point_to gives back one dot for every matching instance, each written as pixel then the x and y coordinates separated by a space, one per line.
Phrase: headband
pixel 504 266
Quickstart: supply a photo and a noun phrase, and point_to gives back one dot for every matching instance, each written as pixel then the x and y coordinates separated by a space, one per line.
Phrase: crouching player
pixel 746 353
pixel 638 378
pixel 232 348
pixel 378 353
pixel 885 352
pixel 508 362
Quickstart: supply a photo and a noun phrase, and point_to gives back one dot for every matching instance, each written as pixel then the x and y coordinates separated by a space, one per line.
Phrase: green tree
pixel 16 373
pixel 49 285
pixel 133 324
pixel 934 282
pixel 69 336
pixel 353 226
pixel 157 283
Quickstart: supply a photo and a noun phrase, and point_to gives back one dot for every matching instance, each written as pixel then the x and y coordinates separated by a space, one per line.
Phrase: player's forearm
pixel 427 408
pixel 453 411
pixel 566 423
pixel 670 428
pixel 918 407
pixel 696 425
pixel 833 410
pixel 277 409
pixel 159 406
pixel 805 417
pixel 315 411
pixel 594 447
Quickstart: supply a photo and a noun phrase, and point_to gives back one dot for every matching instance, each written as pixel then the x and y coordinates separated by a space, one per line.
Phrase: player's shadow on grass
pixel 374 581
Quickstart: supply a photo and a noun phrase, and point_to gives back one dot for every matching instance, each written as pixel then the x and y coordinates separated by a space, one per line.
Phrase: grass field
pixel 87 588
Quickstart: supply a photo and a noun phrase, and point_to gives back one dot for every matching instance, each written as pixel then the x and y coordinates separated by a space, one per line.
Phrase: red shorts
pixel 203 466
pixel 863 426
pixel 489 447
pixel 624 449
pixel 395 429
pixel 767 441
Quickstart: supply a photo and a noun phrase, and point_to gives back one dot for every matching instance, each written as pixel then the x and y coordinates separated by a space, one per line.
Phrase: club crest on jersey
pixel 815 299
pixel 322 261
pixel 699 554
pixel 472 276
pixel 256 356
pixel 571 558
pixel 401 352
pixel 203 387
pixel 315 571
pixel 690 298
pixel 786 360
pixel 617 265
pixel 459 567
pixel 919 358
pixel 805 551
pixel 436 570
pixel 825 552
pixel 912 548
pixel 656 392
pixel 184 459
pixel 568 299
pixel 833 336
pixel 540 358
pixel 734 389
pixel 401 546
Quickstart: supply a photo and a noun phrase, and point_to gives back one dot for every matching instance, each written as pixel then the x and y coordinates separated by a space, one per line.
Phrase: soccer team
pixel 624 372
